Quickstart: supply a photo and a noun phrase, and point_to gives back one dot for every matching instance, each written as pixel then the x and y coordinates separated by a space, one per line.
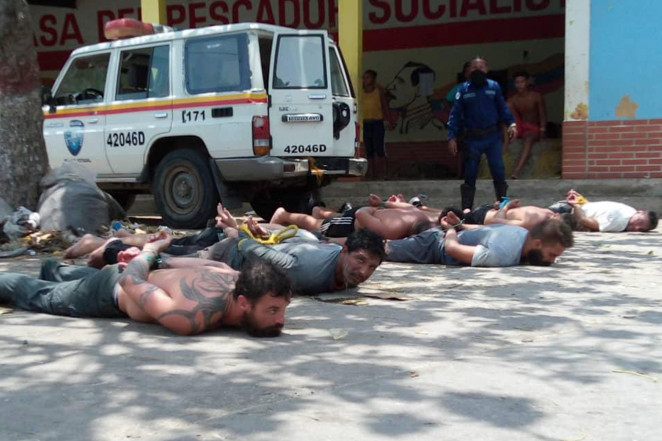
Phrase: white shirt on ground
pixel 611 216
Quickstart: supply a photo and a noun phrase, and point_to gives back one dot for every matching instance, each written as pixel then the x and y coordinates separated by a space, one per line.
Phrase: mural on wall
pixel 418 101
pixel 414 103
pixel 416 46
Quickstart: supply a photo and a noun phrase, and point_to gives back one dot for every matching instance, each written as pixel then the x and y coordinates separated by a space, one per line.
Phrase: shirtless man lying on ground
pixel 103 251
pixel 512 213
pixel 393 219
pixel 394 201
pixel 185 300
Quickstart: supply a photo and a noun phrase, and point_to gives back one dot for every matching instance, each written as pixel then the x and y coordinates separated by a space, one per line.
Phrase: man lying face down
pixel 187 301
pixel 314 267
pixel 606 216
pixel 492 245
pixel 512 213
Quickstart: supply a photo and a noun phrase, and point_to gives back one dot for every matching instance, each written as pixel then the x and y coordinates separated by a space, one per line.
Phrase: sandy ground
pixel 568 352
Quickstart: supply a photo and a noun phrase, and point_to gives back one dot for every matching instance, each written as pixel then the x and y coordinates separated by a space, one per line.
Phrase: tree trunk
pixel 23 158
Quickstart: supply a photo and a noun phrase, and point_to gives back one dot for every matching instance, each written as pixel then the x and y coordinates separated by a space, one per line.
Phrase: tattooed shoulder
pixel 210 290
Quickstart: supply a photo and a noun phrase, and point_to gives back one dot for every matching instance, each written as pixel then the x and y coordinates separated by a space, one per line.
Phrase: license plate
pixel 302 117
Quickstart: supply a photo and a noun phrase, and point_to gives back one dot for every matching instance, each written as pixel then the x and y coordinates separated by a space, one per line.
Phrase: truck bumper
pixel 266 168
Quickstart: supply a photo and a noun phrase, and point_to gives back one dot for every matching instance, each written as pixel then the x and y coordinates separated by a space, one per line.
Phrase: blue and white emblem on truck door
pixel 74 136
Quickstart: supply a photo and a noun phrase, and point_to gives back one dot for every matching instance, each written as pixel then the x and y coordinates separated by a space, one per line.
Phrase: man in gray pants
pixel 187 300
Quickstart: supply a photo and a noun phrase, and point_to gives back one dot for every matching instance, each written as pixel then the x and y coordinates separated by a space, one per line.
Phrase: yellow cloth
pixel 581 200
pixel 273 238
pixel 372 105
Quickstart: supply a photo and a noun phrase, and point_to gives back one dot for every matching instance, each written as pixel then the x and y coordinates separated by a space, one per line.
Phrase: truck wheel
pixel 184 190
pixel 293 200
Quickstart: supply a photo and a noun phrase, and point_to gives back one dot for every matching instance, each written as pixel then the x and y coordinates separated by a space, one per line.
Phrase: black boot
pixel 500 190
pixel 467 193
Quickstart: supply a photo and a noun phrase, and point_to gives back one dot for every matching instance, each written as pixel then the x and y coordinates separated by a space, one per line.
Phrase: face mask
pixel 478 78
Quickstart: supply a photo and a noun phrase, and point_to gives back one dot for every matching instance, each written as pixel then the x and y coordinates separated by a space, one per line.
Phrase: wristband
pixel 457 224
pixel 149 255
pixel 153 259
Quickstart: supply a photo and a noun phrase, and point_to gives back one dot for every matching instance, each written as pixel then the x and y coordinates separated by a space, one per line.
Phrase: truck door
pixel 301 110
pixel 344 137
pixel 140 109
pixel 73 130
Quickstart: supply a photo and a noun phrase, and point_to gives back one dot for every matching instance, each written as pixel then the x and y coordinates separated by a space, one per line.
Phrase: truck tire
pixel 293 200
pixel 184 190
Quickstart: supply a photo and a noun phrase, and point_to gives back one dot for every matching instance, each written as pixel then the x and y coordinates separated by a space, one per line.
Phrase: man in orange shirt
pixel 375 111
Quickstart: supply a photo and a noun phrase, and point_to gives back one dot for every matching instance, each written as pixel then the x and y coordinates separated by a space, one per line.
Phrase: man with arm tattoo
pixel 187 301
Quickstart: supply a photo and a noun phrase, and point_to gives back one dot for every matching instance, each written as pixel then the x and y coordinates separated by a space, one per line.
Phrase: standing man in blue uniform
pixel 480 109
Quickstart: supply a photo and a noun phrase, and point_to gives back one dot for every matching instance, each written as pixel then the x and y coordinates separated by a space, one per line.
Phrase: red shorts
pixel 526 127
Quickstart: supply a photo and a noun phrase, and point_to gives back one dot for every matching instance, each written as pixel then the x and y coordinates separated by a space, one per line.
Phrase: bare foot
pixel 85 245
pixel 278 217
pixel 224 217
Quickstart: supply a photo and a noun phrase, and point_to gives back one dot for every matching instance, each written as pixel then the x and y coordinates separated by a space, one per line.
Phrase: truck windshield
pixel 85 81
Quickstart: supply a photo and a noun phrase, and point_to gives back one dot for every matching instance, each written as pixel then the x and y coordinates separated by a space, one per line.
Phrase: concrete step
pixel 639 193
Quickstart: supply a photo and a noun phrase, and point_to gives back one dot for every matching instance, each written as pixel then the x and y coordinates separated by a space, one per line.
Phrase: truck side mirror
pixel 48 99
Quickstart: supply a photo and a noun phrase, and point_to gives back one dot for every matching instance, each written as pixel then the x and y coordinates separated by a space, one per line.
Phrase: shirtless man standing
pixel 392 219
pixel 528 107
pixel 527 216
pixel 187 301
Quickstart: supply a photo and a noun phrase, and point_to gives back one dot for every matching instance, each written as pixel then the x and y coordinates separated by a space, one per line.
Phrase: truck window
pixel 144 73
pixel 217 64
pixel 300 63
pixel 84 82
pixel 159 80
pixel 338 84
